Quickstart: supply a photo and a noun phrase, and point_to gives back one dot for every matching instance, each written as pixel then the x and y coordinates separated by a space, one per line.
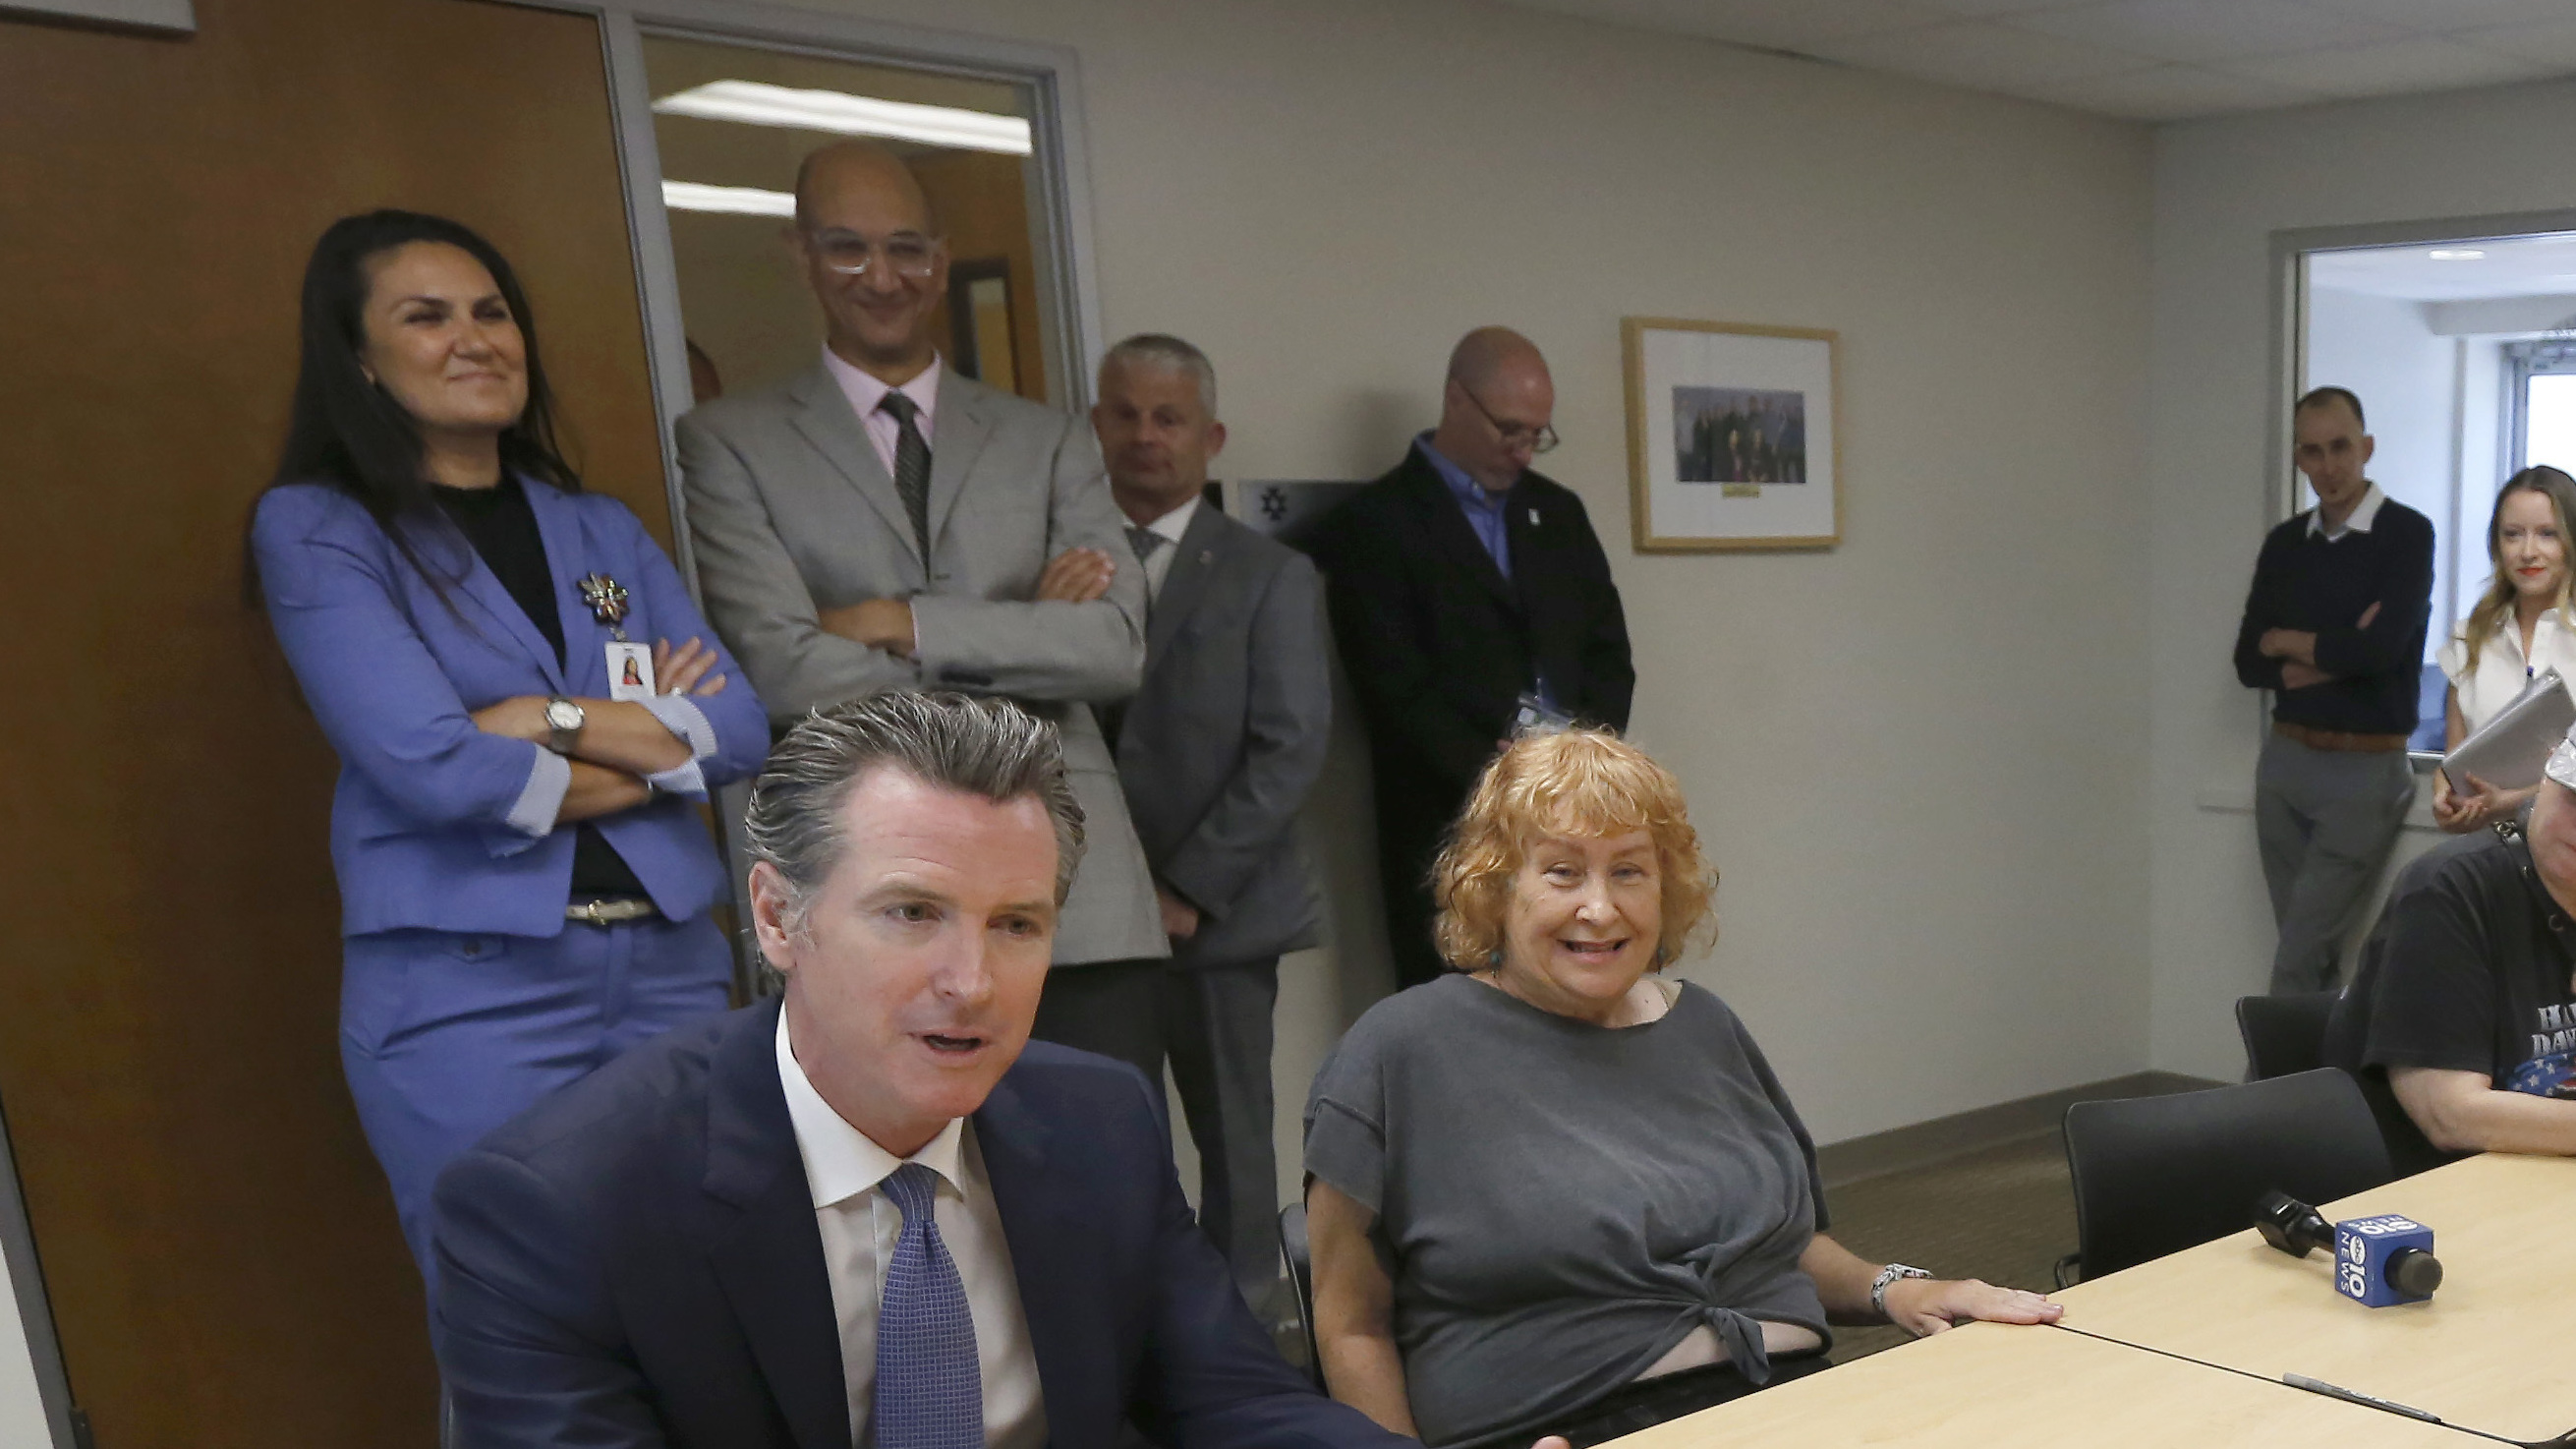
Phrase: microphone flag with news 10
pixel 2369 1259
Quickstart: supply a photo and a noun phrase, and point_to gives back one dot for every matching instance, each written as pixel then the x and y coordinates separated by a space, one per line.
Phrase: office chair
pixel 1301 1276
pixel 2284 1034
pixel 2156 1175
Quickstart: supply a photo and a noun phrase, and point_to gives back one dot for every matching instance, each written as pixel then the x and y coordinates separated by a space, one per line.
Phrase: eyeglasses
pixel 1514 435
pixel 911 255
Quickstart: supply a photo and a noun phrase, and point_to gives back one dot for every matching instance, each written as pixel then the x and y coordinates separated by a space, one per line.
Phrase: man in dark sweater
pixel 2334 625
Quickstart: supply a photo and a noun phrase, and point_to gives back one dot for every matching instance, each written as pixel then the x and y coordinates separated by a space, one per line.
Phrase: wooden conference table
pixel 2488 1353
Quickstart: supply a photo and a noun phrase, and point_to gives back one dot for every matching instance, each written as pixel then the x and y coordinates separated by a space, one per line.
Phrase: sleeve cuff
pixel 681 716
pixel 533 814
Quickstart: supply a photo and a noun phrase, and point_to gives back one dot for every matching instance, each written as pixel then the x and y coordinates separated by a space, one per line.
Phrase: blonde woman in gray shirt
pixel 1553 1192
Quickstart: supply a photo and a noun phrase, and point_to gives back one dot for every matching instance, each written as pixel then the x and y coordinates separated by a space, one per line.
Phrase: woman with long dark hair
pixel 2521 627
pixel 524 883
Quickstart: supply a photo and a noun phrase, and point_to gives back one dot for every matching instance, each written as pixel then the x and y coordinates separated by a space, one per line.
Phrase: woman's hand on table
pixel 1925 1306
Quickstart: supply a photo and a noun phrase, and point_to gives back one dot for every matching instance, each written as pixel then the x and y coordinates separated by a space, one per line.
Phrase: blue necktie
pixel 930 1388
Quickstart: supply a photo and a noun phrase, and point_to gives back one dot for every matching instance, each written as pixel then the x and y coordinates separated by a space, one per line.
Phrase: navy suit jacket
pixel 636 1262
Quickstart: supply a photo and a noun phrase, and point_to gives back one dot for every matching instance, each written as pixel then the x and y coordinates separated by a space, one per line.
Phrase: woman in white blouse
pixel 2519 628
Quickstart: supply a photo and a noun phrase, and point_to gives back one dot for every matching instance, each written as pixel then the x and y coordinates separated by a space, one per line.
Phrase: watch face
pixel 563 714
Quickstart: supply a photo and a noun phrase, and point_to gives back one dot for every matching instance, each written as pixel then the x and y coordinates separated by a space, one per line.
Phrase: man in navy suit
pixel 874 1213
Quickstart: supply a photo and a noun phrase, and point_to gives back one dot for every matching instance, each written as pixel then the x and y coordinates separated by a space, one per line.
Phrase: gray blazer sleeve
pixel 757 599
pixel 1045 650
pixel 1287 727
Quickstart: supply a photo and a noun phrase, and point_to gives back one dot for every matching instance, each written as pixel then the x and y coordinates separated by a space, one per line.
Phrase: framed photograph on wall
pixel 1730 436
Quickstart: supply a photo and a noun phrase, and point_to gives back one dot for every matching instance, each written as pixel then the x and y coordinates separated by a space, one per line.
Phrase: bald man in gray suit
pixel 878 522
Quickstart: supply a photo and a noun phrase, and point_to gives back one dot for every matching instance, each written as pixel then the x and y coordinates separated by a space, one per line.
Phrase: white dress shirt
pixel 1169 527
pixel 866 391
pixel 2359 520
pixel 2502 668
pixel 860 1224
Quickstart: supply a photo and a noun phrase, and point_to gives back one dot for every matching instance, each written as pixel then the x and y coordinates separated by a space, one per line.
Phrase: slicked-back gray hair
pixel 1161 349
pixel 989 748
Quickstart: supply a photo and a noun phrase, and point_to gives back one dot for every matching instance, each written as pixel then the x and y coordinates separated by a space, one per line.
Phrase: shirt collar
pixel 1177 522
pixel 2364 514
pixel 841 1161
pixel 865 390
pixel 1462 487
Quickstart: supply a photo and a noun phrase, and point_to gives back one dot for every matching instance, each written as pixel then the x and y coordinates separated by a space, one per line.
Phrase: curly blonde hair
pixel 1568 782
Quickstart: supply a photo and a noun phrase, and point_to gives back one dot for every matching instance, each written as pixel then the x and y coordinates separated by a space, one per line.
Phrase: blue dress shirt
pixel 1484 508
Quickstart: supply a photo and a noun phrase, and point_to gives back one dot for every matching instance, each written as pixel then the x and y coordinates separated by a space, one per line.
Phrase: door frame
pixel 1060 184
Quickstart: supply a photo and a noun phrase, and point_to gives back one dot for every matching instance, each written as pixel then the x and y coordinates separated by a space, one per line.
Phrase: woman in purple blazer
pixel 524 878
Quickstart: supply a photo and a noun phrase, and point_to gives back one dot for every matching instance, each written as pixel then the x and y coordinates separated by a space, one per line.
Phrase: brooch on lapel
pixel 607 600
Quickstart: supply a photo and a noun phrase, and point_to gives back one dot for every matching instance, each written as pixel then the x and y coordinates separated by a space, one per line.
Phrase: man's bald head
pixel 1495 410
pixel 830 173
pixel 871 251
pixel 1490 356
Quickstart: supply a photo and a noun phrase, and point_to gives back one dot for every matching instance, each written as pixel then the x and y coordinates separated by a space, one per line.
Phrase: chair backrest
pixel 2156 1175
pixel 2284 1034
pixel 1301 1276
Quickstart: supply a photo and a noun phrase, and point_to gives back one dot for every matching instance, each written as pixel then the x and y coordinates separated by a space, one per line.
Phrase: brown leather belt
pixel 2342 741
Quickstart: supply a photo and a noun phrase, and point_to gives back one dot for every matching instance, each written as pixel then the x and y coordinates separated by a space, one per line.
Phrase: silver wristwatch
pixel 1878 1286
pixel 564 720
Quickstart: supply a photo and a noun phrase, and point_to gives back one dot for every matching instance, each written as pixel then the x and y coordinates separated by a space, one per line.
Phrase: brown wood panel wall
pixel 221 1251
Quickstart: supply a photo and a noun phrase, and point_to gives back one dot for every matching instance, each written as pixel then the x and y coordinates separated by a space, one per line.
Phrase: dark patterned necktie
pixel 1144 541
pixel 911 467
pixel 929 1391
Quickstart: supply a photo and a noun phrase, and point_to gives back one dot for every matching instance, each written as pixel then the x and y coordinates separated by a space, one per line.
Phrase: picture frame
pixel 1733 436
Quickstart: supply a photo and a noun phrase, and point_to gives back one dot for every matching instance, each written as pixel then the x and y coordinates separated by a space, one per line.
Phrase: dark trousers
pixel 1213 1024
pixel 1636 1406
pixel 1408 843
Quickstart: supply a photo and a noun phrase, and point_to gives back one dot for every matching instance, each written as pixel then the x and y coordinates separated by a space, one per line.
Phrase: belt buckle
pixel 588 912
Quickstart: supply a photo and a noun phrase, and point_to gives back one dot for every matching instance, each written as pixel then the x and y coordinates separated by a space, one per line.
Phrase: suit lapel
pixel 1015 1143
pixel 1447 524
pixel 958 431
pixel 1194 562
pixel 824 416
pixel 769 1261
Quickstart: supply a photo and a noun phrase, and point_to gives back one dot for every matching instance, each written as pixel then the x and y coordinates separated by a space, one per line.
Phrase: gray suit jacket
pixel 790 511
pixel 1226 736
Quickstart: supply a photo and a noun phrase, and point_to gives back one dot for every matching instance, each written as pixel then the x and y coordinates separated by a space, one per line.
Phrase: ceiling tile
pixel 1981 55
pixel 1781 24
pixel 2444 16
pixel 2551 43
pixel 2203 31
pixel 2396 68
pixel 2167 93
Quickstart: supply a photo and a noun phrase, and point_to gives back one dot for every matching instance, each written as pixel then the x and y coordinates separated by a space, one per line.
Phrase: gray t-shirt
pixel 1561 1202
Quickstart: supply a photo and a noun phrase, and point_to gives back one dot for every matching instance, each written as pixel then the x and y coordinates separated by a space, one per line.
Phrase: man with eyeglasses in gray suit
pixel 1467 592
pixel 879 522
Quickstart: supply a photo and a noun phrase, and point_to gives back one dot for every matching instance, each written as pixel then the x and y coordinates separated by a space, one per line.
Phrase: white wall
pixel 1918 757
pixel 22 1412
pixel 2222 187
pixel 2385 350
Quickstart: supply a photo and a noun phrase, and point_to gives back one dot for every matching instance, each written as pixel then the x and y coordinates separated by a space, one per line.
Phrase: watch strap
pixel 1887 1276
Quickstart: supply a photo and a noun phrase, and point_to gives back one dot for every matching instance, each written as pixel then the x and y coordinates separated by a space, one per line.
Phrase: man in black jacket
pixel 1461 585
pixel 2334 626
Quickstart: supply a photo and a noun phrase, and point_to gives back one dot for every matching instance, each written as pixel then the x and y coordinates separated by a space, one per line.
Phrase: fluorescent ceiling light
pixel 2456 254
pixel 740 200
pixel 757 104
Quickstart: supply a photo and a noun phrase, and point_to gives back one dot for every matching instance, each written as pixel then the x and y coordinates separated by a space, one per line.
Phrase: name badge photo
pixel 630 672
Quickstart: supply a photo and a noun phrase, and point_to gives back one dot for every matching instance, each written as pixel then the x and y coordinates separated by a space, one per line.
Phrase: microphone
pixel 2378 1260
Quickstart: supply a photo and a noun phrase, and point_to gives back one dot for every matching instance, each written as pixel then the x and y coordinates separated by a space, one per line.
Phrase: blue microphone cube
pixel 2364 1248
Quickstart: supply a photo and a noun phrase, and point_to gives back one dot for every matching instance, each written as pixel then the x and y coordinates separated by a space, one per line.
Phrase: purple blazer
pixel 422 831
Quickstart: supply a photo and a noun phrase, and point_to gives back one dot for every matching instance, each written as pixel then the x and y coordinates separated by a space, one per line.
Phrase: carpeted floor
pixel 2004 1214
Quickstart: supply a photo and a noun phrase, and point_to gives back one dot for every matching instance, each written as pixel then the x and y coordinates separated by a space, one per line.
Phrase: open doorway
pixel 2462 346
pixel 732 121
